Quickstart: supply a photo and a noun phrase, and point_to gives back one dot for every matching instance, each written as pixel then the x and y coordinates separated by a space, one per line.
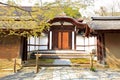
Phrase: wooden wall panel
pixel 9 47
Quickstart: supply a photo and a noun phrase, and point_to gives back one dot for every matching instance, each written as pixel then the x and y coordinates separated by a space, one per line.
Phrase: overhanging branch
pixel 17 7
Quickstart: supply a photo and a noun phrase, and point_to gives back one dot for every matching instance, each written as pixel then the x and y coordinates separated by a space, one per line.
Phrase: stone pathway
pixel 63 73
pixel 74 73
pixel 62 62
pixel 27 73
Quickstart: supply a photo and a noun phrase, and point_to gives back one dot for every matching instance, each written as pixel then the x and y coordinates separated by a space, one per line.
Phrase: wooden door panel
pixel 65 40
pixel 70 40
pixel 61 40
pixel 54 40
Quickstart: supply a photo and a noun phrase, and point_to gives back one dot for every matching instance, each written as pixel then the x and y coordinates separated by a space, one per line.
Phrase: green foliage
pixel 31 23
pixel 69 8
pixel 19 21
pixel 72 12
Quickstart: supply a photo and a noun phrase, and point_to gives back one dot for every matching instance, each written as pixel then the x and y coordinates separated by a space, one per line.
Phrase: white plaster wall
pixel 91 41
pixel 43 40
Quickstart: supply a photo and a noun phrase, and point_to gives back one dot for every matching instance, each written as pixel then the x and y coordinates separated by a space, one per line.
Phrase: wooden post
pixel 37 67
pixel 14 66
pixel 91 60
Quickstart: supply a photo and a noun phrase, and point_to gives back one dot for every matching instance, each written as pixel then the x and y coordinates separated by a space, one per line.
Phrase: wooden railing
pixel 64 56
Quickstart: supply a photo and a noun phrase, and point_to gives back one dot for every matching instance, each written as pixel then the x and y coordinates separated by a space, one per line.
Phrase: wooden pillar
pixel 49 40
pixel 103 48
pixel 91 60
pixel 100 47
pixel 24 48
pixel 14 68
pixel 74 40
pixel 37 66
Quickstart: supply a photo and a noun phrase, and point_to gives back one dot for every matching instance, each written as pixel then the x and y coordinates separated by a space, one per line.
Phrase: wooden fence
pixel 64 56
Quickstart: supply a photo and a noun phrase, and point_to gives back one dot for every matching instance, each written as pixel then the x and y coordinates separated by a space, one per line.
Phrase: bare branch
pixel 17 7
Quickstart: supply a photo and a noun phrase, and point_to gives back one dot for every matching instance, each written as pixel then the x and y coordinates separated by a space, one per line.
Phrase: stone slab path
pixel 74 73
pixel 62 62
pixel 63 73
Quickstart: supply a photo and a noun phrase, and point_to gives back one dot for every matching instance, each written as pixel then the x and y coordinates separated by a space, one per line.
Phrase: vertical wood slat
pixel 59 40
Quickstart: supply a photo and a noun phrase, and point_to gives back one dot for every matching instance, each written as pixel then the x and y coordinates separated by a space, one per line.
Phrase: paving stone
pixel 65 77
pixel 104 79
pixel 65 73
pixel 94 79
pixel 117 78
pixel 76 79
pixel 62 62
pixel 56 78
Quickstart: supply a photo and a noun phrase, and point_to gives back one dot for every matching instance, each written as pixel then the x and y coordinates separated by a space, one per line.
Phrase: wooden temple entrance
pixel 62 33
pixel 65 33
pixel 62 40
pixel 65 39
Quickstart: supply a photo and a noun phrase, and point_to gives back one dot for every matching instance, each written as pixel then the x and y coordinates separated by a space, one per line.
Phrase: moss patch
pixel 41 61
pixel 80 61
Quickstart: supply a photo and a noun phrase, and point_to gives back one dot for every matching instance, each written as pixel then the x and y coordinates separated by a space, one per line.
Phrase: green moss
pixel 46 60
pixel 80 60
pixel 33 61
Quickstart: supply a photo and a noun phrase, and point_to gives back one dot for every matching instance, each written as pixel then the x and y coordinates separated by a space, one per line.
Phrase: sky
pixel 106 3
pixel 32 2
pixel 89 11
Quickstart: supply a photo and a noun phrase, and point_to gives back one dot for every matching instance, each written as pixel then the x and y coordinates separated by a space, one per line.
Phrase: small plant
pixel 93 69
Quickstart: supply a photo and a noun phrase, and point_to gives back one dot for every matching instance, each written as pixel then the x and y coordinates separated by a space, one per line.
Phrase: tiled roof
pixel 105 23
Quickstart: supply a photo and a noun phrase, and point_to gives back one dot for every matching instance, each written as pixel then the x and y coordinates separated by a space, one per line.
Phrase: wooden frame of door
pixel 62 39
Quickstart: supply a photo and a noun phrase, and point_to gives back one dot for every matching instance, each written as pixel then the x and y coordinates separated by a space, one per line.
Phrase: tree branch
pixel 17 7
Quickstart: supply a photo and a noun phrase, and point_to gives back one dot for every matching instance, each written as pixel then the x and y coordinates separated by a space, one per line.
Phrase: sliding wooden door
pixel 62 40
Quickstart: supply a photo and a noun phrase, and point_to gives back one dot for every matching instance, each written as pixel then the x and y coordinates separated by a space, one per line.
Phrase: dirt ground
pixel 5 73
pixel 6 67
